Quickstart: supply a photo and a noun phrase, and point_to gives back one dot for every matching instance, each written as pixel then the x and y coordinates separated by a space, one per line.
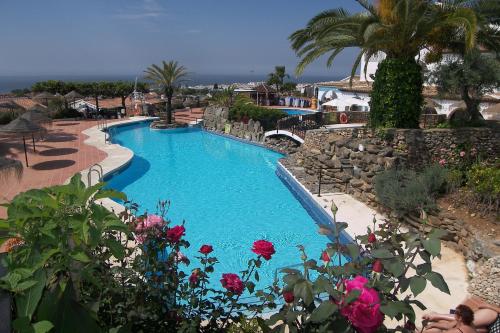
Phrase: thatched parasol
pixel 10 167
pixel 35 116
pixel 44 96
pixel 73 95
pixel 22 127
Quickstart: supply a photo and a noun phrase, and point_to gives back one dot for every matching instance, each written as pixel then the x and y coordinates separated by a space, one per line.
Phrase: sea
pixel 9 83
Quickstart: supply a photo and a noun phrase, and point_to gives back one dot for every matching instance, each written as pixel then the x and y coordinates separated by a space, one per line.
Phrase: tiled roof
pixel 23 102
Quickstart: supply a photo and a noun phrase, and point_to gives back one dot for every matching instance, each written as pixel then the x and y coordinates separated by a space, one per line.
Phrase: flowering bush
pixel 151 286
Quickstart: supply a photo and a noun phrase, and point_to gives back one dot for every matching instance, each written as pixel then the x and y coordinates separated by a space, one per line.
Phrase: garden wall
pixel 216 118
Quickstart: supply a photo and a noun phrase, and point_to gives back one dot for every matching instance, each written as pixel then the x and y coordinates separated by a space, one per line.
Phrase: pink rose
pixel 462 153
pixel 325 257
pixel 442 162
pixel 175 234
pixel 377 266
pixel 364 313
pixel 145 225
pixel 263 248
pixel 153 221
pixel 232 282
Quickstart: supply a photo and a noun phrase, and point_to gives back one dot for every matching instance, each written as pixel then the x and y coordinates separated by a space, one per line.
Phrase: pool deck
pixel 71 147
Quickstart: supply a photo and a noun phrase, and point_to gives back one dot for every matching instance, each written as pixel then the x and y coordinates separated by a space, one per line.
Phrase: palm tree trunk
pixel 169 109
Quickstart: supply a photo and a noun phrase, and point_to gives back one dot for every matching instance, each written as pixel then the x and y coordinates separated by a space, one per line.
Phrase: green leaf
pixel 23 325
pixel 80 256
pixel 382 254
pixel 432 245
pixel 352 296
pixel 116 248
pixel 43 326
pixel 303 290
pixel 437 233
pixel 256 275
pixel 395 267
pixel 393 309
pixel 417 284
pixel 437 281
pixel 353 250
pixel 323 311
pixel 111 194
pixel 24 285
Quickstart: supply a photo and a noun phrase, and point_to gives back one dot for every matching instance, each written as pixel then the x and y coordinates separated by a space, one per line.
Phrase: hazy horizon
pixel 224 37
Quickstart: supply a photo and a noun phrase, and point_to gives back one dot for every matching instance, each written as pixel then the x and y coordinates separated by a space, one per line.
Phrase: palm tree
pixel 167 78
pixel 400 29
pixel 278 78
pixel 224 97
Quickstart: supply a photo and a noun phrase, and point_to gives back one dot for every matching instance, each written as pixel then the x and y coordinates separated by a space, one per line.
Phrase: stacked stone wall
pixel 349 159
pixel 216 119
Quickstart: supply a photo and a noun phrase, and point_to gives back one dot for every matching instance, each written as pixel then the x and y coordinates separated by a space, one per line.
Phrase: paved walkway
pixel 61 154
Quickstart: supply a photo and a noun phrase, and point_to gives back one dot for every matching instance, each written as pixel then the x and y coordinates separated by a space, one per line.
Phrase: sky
pixel 108 37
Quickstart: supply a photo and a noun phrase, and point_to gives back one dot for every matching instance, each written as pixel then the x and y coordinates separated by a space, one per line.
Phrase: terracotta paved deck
pixel 60 155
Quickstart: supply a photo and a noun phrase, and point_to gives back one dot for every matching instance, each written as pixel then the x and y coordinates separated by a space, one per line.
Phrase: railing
pixel 94 168
pixel 300 124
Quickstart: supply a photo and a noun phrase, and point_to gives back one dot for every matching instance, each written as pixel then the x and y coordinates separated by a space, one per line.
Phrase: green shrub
pixel 485 181
pixel 454 179
pixel 434 179
pixel 405 191
pixel 244 108
pixel 396 98
pixel 7 116
pixel 67 113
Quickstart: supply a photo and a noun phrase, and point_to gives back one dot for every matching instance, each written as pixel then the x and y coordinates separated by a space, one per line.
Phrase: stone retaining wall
pixel 350 158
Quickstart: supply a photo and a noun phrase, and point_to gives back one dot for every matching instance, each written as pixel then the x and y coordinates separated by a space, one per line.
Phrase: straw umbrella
pixel 10 167
pixel 36 116
pixel 23 127
pixel 72 95
pixel 44 96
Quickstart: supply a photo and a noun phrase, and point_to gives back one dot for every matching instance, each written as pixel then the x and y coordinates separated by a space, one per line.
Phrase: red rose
pixel 193 278
pixel 175 234
pixel 325 257
pixel 371 238
pixel 206 249
pixel 232 283
pixel 263 248
pixel 288 296
pixel 377 266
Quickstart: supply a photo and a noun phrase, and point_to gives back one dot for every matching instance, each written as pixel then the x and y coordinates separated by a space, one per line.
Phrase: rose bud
pixel 288 296
pixel 371 238
pixel 377 266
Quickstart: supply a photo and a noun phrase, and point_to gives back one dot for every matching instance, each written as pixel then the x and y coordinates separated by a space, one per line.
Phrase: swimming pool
pixel 294 112
pixel 227 192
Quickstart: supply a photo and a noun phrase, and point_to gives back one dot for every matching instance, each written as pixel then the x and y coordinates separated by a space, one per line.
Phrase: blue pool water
pixel 226 191
pixel 294 112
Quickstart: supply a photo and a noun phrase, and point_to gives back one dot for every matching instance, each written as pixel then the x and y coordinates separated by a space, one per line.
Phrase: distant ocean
pixel 9 83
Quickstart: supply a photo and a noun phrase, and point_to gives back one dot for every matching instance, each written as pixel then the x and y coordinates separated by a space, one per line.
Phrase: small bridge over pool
pixel 296 126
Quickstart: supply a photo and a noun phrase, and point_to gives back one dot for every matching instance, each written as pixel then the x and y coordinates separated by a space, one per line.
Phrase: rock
pixel 356 183
pixel 372 149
